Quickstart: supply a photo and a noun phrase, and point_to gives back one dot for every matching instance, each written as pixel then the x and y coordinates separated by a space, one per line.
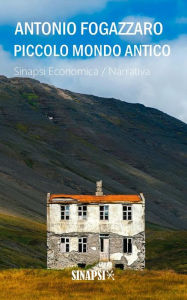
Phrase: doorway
pixel 104 247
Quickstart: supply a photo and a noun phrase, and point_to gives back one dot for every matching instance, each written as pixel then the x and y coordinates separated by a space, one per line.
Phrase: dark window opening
pixel 64 212
pixel 102 245
pixel 65 244
pixel 82 211
pixel 119 266
pixel 82 245
pixel 82 266
pixel 104 212
pixel 127 212
pixel 127 245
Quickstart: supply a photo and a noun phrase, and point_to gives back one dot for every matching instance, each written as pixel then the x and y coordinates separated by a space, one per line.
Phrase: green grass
pixel 22 127
pixel 166 249
pixel 32 100
pixel 22 243
pixel 29 163
pixel 30 96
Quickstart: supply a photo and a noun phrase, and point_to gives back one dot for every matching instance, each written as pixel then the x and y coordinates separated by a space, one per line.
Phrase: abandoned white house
pixel 88 229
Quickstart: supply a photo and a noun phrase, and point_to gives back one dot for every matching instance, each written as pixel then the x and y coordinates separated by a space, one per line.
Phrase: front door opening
pixel 104 247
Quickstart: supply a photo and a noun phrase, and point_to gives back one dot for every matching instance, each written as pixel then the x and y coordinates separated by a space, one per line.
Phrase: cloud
pixel 158 82
pixel 18 10
pixel 138 38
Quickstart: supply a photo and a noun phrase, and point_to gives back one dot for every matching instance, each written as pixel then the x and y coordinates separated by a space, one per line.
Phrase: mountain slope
pixel 22 243
pixel 54 140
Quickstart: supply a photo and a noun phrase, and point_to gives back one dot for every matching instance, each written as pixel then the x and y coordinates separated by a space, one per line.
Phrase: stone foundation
pixel 56 259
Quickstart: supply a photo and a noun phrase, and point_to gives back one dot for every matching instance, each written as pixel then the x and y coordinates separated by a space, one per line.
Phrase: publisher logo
pixel 92 275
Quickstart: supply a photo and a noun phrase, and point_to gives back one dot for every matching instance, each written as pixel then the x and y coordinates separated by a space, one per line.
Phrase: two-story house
pixel 88 229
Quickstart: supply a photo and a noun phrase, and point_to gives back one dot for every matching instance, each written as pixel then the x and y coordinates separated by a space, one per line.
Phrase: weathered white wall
pixel 115 224
pixel 73 244
pixel 129 257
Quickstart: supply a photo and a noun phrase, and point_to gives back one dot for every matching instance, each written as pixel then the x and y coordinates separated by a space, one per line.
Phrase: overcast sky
pixel 162 83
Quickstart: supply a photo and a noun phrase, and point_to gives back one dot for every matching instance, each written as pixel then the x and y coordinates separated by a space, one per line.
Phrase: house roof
pixel 58 198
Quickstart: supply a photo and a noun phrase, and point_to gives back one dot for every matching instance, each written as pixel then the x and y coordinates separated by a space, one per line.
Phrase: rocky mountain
pixel 54 140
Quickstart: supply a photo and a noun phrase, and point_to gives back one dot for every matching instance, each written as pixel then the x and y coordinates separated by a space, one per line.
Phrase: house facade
pixel 85 230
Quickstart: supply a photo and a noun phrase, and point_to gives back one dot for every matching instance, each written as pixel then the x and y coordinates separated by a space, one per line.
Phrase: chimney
pixel 99 190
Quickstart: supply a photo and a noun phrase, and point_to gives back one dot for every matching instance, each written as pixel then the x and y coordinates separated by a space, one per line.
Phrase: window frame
pixel 82 212
pixel 82 244
pixel 127 247
pixel 104 212
pixel 66 242
pixel 65 212
pixel 127 213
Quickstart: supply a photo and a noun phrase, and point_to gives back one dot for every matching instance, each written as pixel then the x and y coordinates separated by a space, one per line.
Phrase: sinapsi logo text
pixel 92 275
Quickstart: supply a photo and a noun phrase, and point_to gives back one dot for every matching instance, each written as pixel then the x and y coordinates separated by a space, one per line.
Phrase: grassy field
pixel 53 285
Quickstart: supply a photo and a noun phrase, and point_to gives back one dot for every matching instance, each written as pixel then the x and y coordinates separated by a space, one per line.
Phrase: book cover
pixel 93 149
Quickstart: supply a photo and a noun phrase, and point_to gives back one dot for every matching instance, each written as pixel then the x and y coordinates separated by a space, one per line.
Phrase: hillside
pixel 54 140
pixel 22 243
